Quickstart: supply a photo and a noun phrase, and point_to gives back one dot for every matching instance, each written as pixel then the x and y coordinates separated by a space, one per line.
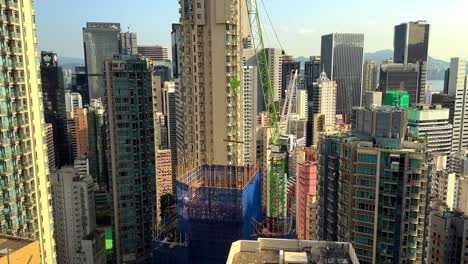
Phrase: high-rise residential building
pixel 410 44
pixel 306 211
pixel 288 65
pixel 262 119
pixel 75 218
pixel 444 188
pixel 101 42
pixel 448 233
pixel 301 104
pixel 131 155
pixel 27 203
pixel 324 107
pixel 459 162
pixel 276 71
pixel 431 123
pixel 161 131
pixel 249 98
pixel 164 181
pixel 50 146
pixel 176 34
pixel 342 55
pixel 458 88
pixel 369 79
pixel 97 147
pixel 170 92
pixel 153 52
pixel 211 118
pixel 53 90
pixel 81 130
pixel 128 43
pixel 80 83
pixel 400 77
pixel 73 102
pixel 373 188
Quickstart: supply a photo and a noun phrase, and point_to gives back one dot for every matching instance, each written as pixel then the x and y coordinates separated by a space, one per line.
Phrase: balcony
pixel 12 5
pixel 6 171
pixel 6 49
pixel 13 20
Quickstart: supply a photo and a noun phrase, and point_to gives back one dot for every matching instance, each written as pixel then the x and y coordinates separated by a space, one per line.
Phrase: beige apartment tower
pixel 26 209
pixel 210 99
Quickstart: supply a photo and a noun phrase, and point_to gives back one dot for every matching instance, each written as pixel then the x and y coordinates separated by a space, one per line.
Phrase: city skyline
pixel 300 33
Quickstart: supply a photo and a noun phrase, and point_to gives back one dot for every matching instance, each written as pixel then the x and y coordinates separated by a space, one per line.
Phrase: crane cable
pixel 272 27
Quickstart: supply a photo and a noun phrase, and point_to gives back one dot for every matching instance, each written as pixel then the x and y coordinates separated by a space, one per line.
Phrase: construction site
pixel 216 205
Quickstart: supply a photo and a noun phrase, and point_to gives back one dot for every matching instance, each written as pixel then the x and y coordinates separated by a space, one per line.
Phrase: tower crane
pixel 281 143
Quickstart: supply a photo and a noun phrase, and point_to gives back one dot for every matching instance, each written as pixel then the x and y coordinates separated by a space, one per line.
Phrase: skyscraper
pixel 129 106
pixel 276 71
pixel 73 102
pixel 101 42
pixel 386 224
pixel 50 146
pixel 410 44
pixel 27 203
pixel 312 73
pixel 249 98
pixel 342 55
pixel 369 82
pixel 80 83
pixel 128 43
pixel 53 90
pixel 324 107
pixel 458 87
pixel 432 124
pixel 176 34
pixel 153 52
pixel 312 70
pixel 288 64
pixel 211 102
pixel 171 115
pixel 97 153
pixel 81 130
pixel 400 77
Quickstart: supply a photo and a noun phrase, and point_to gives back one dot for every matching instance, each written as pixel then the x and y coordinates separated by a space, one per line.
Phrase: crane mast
pixel 281 143
pixel 258 44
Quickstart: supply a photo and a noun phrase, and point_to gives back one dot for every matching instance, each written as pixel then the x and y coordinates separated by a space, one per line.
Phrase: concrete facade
pixel 211 91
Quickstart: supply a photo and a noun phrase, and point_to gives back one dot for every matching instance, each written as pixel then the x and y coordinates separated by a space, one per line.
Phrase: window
pixel 366 158
pixel 415 164
pixel 366 171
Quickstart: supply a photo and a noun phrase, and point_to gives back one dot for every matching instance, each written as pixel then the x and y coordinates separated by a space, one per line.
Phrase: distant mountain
pixel 436 67
pixel 70 63
pixel 302 59
pixel 379 56
pixel 70 60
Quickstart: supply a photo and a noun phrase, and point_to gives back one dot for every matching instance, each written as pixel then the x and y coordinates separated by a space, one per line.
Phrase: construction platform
pixel 216 205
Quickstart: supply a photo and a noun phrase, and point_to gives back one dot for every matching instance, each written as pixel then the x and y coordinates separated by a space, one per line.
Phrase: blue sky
pixel 299 24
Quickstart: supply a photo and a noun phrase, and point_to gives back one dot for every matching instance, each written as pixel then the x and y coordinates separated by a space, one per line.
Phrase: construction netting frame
pixel 217 205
